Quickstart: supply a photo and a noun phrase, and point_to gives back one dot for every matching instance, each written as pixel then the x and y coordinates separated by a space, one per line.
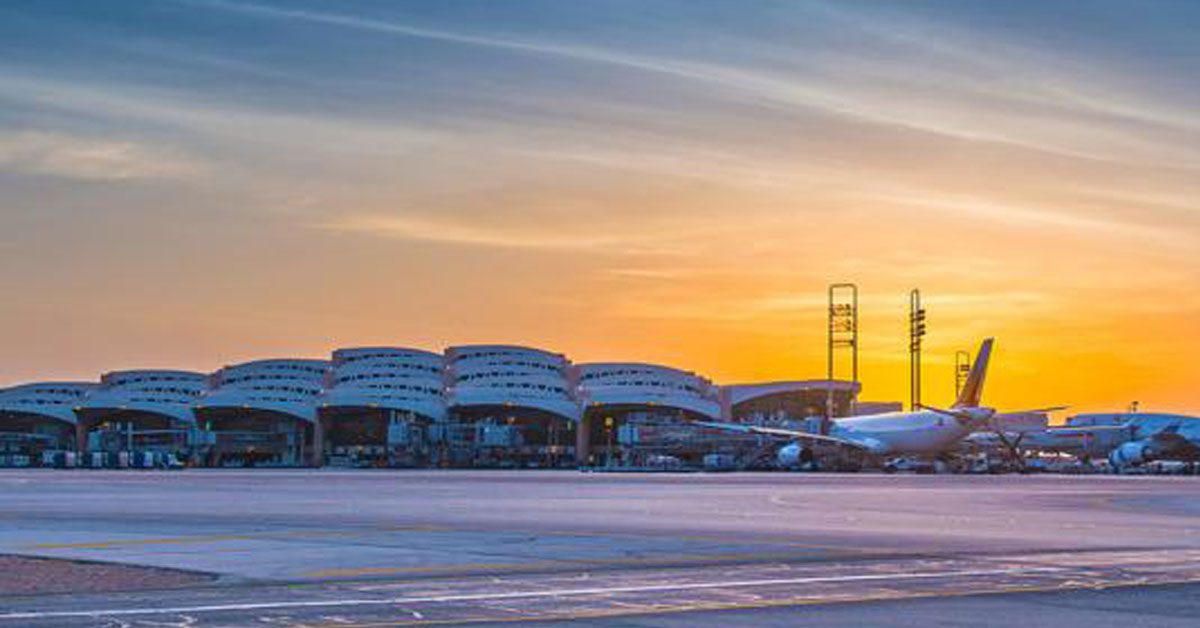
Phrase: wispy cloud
pixel 573 236
pixel 636 177
pixel 207 118
pixel 91 158
pixel 412 227
pixel 1011 213
pixel 819 89
pixel 1002 69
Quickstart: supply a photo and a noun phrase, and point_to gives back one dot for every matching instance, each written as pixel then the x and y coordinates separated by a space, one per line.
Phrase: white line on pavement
pixel 477 597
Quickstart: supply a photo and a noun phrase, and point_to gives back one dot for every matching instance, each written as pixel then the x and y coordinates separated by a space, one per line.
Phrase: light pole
pixel 842 329
pixel 916 331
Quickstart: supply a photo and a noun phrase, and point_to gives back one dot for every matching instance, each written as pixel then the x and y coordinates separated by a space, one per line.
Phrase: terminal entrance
pixel 645 436
pixel 375 437
pixel 27 440
pixel 255 438
pixel 505 437
pixel 129 438
pixel 792 405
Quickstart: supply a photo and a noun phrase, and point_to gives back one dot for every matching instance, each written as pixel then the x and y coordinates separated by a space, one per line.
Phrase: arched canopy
pixel 343 358
pixel 476 358
pixel 738 393
pixel 53 401
pixel 702 407
pixel 346 398
pixel 168 394
pixel 611 384
pixel 386 378
pixel 565 412
pixel 105 403
pixel 278 386
pixel 228 401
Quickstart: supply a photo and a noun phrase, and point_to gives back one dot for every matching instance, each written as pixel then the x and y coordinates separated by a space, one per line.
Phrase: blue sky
pixel 669 181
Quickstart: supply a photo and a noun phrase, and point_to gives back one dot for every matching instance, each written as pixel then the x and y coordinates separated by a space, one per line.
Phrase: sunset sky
pixel 188 184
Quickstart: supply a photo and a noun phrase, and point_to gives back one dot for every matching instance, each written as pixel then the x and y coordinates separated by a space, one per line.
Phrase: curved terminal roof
pixel 423 382
pixel 405 380
pixel 477 356
pixel 345 357
pixel 283 386
pixel 634 383
pixel 167 393
pixel 52 400
pixel 738 393
pixel 505 375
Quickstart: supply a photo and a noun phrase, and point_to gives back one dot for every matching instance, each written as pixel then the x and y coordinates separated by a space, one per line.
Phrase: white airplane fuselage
pixel 928 432
pixel 902 433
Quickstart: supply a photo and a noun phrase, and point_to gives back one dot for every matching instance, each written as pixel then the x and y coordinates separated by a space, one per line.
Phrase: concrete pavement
pixel 362 547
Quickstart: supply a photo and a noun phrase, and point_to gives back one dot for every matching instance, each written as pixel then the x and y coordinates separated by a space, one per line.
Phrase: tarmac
pixel 359 548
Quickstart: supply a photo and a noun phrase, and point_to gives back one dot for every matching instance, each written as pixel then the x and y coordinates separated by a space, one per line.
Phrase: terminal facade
pixel 469 406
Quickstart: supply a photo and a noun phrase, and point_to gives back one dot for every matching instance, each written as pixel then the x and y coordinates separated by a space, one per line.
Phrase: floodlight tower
pixel 842 335
pixel 962 369
pixel 916 331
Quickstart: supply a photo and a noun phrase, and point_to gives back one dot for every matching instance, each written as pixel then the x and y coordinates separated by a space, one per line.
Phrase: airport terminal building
pixel 468 406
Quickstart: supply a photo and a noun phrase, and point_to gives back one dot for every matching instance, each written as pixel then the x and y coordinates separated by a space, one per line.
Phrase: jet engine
pixel 794 456
pixel 1131 454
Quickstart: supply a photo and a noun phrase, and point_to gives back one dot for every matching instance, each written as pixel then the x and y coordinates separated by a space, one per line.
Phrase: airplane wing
pixel 1171 438
pixel 1088 429
pixel 786 434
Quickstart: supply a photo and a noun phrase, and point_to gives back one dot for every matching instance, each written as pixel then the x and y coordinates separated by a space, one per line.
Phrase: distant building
pixel 473 405
pixel 264 413
pixel 618 395
pixel 787 400
pixel 380 404
pixel 142 411
pixel 862 408
pixel 37 418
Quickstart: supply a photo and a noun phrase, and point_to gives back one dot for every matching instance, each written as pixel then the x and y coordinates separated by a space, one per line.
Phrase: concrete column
pixel 583 440
pixel 81 432
pixel 318 445
pixel 725 396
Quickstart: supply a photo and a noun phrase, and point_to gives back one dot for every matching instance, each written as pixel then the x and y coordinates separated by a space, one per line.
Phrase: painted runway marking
pixel 656 559
pixel 281 535
pixel 515 595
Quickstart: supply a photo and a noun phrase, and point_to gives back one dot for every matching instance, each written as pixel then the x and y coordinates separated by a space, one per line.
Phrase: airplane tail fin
pixel 972 391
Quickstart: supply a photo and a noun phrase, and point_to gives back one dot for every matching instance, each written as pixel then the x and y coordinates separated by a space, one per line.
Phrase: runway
pixel 376 548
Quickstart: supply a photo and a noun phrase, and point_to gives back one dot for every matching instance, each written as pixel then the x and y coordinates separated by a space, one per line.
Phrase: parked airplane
pixel 929 432
pixel 1128 440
